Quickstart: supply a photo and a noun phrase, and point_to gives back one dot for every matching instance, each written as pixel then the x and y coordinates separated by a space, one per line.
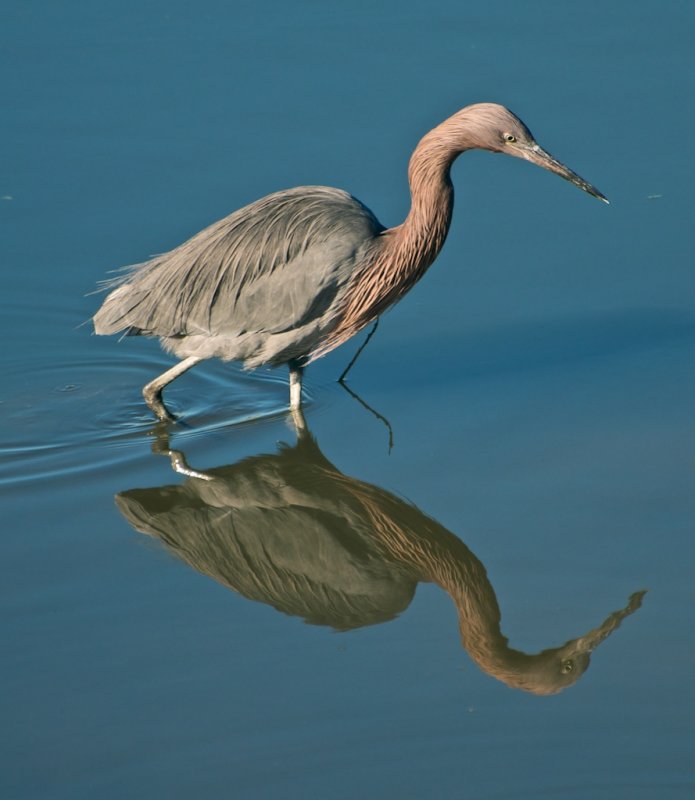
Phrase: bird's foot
pixel 155 402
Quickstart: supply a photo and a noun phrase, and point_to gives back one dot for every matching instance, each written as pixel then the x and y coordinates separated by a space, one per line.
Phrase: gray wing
pixel 271 267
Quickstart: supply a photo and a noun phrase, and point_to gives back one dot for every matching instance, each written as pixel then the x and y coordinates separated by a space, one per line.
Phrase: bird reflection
pixel 290 530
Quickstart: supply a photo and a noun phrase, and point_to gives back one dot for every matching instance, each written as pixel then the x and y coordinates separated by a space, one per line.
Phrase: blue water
pixel 538 385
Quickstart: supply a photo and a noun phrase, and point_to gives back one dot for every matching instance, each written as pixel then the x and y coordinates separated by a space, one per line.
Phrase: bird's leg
pixel 152 392
pixel 299 422
pixel 371 333
pixel 180 465
pixel 295 386
pixel 366 405
pixel 161 447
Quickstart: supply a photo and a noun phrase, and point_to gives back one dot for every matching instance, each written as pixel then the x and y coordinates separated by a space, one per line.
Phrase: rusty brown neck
pixel 415 244
pixel 412 246
pixel 403 254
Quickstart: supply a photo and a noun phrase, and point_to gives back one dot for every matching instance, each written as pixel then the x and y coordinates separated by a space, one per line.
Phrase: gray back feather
pixel 269 268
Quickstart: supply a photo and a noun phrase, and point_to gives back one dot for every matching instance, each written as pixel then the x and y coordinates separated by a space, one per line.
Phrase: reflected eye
pixel 567 666
pixel 509 137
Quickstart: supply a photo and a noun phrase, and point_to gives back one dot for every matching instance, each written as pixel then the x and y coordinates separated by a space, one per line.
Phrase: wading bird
pixel 297 273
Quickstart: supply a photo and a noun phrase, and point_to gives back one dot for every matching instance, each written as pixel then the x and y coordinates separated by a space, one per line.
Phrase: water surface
pixel 457 613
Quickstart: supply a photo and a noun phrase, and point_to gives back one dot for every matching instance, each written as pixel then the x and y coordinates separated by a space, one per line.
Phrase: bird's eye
pixel 509 137
pixel 567 666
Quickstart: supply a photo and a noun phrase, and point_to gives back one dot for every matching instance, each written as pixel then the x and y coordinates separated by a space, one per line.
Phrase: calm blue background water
pixel 539 384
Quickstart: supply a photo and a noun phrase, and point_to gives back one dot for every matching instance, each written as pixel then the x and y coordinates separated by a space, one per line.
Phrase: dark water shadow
pixel 290 530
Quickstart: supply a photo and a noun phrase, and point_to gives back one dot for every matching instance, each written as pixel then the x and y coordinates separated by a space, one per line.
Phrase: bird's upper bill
pixel 537 155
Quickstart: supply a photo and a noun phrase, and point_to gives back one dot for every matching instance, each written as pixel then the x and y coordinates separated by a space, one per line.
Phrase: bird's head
pixel 489 126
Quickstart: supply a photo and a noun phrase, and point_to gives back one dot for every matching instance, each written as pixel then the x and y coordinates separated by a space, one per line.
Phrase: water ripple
pixel 88 413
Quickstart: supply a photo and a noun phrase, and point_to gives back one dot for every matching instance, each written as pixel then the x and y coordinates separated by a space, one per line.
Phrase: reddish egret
pixel 295 274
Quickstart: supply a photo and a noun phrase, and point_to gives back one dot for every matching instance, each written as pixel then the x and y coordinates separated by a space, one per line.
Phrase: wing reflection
pixel 290 530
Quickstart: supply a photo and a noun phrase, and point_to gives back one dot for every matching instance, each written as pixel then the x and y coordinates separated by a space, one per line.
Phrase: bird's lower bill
pixel 537 155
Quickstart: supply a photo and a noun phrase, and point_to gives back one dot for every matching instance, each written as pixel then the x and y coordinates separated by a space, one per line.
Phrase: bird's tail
pixel 113 316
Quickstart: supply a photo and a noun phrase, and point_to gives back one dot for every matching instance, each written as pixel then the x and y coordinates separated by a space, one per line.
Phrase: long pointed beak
pixel 537 155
